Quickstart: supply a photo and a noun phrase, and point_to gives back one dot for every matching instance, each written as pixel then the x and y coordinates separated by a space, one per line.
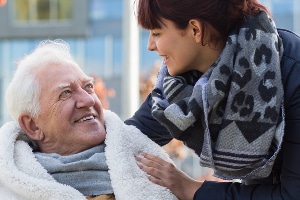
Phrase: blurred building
pixel 94 30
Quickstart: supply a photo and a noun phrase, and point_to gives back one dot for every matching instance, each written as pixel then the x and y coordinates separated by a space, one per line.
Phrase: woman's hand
pixel 166 174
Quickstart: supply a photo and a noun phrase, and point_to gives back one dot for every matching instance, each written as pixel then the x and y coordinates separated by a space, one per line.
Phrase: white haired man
pixel 63 144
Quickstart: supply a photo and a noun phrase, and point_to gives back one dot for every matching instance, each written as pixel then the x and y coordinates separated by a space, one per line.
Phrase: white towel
pixel 123 143
pixel 22 177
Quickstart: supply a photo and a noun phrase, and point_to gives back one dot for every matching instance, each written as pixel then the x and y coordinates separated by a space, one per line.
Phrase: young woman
pixel 228 88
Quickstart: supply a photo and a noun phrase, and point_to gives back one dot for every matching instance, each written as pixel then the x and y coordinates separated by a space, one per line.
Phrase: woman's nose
pixel 151 44
pixel 84 99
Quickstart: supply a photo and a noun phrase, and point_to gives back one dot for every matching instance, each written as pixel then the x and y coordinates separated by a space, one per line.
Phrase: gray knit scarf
pixel 232 115
pixel 86 171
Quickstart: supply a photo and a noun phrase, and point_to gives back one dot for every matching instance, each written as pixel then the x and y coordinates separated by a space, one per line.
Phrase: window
pixel 43 18
pixel 105 9
pixel 39 11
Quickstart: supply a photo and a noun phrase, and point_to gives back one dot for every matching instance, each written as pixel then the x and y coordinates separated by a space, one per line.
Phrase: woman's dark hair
pixel 222 15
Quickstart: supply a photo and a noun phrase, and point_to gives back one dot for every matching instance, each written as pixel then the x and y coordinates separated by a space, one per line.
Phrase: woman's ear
pixel 196 27
pixel 29 125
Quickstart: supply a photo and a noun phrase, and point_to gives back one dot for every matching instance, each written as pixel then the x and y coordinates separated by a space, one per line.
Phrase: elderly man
pixel 63 144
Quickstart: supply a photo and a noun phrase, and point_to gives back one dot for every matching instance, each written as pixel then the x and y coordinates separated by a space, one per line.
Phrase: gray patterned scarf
pixel 231 114
pixel 86 171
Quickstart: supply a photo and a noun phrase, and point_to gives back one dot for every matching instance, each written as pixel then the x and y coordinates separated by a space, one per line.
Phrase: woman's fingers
pixel 152 165
pixel 166 174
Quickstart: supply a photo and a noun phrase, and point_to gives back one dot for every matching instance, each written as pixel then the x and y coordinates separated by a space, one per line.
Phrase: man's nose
pixel 84 99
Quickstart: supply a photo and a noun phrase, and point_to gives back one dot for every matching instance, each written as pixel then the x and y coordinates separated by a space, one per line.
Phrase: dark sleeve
pixel 144 121
pixel 289 185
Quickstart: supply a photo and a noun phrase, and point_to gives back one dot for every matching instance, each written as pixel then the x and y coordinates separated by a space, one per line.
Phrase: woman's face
pixel 178 48
pixel 71 116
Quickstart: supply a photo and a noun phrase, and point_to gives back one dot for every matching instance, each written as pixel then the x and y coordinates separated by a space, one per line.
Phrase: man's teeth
pixel 86 118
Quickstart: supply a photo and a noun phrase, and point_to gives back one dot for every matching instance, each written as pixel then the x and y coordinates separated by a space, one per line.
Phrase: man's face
pixel 71 116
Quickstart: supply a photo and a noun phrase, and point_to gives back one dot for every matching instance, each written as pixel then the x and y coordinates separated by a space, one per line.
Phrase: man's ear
pixel 196 27
pixel 29 125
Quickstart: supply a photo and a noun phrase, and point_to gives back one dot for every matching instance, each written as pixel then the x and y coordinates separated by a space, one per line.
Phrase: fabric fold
pixel 123 144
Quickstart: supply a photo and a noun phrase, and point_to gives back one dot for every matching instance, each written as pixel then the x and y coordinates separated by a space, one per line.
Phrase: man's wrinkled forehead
pixel 56 76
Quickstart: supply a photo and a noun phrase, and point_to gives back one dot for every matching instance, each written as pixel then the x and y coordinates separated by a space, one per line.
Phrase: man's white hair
pixel 23 92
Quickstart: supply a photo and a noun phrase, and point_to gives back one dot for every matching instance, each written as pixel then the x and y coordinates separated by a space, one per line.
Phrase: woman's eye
pixel 155 34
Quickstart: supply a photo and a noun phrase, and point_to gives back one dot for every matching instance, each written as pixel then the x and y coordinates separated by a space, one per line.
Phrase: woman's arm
pixel 144 121
pixel 184 187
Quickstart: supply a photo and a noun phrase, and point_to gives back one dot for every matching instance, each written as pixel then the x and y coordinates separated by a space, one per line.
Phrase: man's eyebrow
pixel 90 79
pixel 63 85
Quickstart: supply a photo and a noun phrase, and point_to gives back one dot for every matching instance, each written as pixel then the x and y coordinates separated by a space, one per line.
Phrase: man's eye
pixel 89 87
pixel 65 93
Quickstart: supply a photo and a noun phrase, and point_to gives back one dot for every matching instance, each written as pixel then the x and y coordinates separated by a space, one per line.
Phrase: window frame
pixel 76 27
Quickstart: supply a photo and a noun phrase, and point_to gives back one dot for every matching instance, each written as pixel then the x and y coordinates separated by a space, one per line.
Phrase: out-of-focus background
pixel 107 43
